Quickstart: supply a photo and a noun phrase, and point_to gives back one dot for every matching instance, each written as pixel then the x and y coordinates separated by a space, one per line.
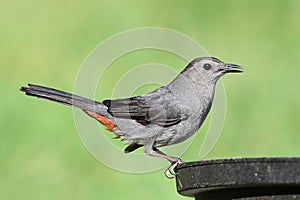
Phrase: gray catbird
pixel 165 116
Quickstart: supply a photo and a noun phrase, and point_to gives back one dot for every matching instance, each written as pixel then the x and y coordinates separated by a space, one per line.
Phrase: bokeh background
pixel 45 42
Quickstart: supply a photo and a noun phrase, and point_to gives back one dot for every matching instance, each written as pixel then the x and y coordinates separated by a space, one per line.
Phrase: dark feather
pixel 60 97
pixel 147 109
pixel 132 147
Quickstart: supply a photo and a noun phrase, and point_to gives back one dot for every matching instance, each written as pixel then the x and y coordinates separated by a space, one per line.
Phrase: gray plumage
pixel 166 116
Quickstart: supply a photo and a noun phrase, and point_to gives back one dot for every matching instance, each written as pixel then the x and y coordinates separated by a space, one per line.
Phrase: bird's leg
pixel 169 173
pixel 152 151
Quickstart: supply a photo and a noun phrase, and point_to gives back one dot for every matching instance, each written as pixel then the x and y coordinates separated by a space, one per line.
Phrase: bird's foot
pixel 170 173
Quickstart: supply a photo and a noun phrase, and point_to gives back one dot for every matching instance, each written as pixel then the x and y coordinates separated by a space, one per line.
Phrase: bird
pixel 168 115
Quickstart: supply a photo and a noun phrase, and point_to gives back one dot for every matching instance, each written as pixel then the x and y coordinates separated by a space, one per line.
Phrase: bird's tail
pixel 61 97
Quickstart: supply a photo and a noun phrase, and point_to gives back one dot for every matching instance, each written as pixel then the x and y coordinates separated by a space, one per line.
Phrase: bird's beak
pixel 233 68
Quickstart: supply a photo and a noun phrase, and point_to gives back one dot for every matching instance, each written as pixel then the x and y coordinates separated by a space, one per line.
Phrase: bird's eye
pixel 207 66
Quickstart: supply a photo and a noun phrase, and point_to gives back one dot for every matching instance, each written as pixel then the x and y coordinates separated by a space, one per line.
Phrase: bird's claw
pixel 170 173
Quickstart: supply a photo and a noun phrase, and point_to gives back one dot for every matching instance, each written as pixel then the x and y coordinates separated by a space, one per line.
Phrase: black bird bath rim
pixel 240 178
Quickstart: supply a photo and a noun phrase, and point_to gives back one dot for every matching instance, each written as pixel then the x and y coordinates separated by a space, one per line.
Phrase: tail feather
pixel 60 97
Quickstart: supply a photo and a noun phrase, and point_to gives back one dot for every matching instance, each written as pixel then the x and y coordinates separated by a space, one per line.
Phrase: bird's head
pixel 209 69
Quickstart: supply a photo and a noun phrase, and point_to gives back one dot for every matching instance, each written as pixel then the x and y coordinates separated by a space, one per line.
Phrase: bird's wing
pixel 159 107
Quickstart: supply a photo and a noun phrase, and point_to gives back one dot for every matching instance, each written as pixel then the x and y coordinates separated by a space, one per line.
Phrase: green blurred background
pixel 45 42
